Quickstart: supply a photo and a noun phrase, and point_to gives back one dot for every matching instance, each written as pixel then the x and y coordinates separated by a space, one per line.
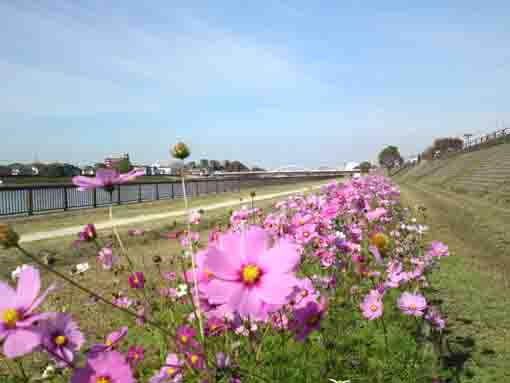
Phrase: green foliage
pixel 365 166
pixel 390 157
pixel 123 166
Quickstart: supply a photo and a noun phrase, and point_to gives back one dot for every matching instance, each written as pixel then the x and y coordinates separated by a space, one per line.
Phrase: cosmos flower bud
pixel 8 237
pixel 180 151
pixel 156 259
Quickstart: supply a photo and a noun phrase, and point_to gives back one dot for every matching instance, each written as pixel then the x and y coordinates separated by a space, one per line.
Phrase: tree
pixel 99 165
pixel 390 157
pixel 365 166
pixel 123 166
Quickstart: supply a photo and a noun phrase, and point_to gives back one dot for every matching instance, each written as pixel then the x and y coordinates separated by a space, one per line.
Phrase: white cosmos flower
pixel 82 267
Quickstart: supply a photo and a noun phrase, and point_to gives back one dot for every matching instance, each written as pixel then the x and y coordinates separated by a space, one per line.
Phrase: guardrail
pixel 493 138
pixel 30 200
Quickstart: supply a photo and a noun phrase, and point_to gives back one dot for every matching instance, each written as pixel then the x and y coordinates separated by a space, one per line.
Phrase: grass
pixel 54 221
pixel 474 283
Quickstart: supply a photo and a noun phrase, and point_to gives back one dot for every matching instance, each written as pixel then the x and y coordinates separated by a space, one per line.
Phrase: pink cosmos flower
pixel 108 367
pixel 171 372
pixel 438 249
pixel 248 275
pixel 308 319
pixel 106 258
pixel 412 304
pixel 137 280
pixel 62 338
pixel 376 214
pixel 135 355
pixel 136 232
pixel 434 317
pixel 372 306
pixel 106 179
pixel 195 217
pixel 17 313
pixel 111 343
pixel 88 233
pixel 304 292
pixel 305 233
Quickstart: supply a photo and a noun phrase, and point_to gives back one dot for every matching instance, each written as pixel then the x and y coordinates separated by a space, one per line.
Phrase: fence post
pixel 94 198
pixel 118 194
pixel 172 195
pixel 217 186
pixel 157 192
pixel 139 192
pixel 65 199
pixel 30 202
pixel 197 189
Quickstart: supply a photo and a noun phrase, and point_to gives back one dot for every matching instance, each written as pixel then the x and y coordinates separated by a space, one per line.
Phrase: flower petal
pixel 41 298
pixel 29 285
pixel 275 288
pixel 283 257
pixel 8 297
pixel 254 242
pixel 224 265
pixel 220 291
pixel 247 303
pixel 21 342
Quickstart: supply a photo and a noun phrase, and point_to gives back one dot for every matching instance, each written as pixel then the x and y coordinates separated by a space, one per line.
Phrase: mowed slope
pixel 484 173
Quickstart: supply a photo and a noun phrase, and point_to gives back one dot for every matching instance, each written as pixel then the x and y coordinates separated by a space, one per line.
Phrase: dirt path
pixel 474 282
pixel 73 230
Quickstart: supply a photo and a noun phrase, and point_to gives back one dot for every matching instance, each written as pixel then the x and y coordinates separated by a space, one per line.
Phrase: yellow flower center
pixel 306 234
pixel 184 339
pixel 208 274
pixel 170 371
pixel 380 240
pixel 412 306
pixel 194 359
pixel 251 274
pixel 109 343
pixel 373 308
pixel 304 293
pixel 60 340
pixel 301 221
pixel 103 379
pixel 10 317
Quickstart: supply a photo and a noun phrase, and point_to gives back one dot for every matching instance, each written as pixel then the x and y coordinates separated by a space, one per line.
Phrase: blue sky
pixel 269 83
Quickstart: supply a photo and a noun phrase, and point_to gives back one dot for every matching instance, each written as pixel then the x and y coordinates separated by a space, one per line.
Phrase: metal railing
pixel 30 200
pixel 494 138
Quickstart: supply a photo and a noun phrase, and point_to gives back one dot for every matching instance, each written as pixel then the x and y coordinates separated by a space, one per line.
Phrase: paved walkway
pixel 69 231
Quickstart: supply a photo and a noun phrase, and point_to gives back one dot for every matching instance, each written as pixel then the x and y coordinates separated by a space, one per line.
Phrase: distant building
pixel 112 161
pixel 350 166
pixel 168 168
pixel 88 171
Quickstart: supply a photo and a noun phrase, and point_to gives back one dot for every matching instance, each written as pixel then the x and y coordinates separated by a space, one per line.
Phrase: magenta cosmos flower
pixel 248 275
pixel 137 280
pixel 135 355
pixel 108 367
pixel 88 233
pixel 62 338
pixel 372 306
pixel 308 319
pixel 412 304
pixel 17 316
pixel 106 179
